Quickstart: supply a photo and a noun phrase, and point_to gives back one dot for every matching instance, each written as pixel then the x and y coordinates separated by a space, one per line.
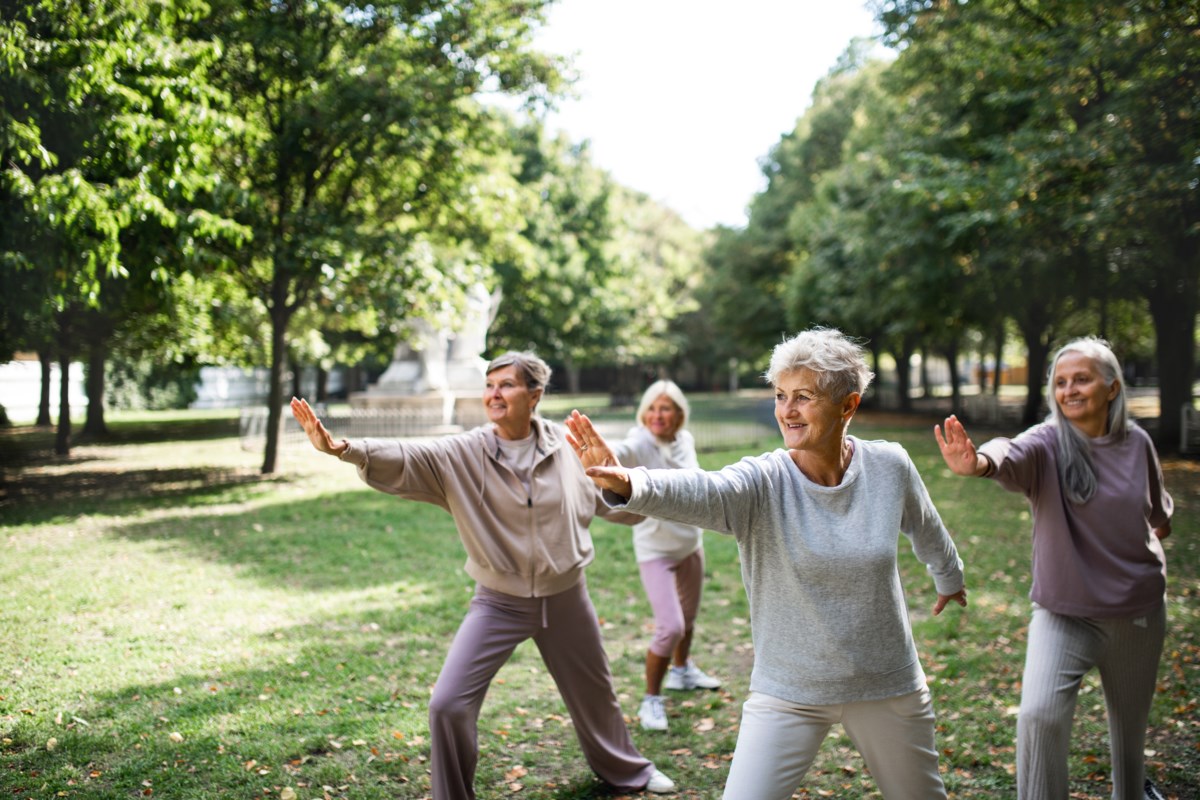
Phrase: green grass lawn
pixel 174 625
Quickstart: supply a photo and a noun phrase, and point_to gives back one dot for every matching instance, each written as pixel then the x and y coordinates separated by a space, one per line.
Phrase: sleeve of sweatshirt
pixel 1162 507
pixel 931 541
pixel 410 470
pixel 727 500
pixel 1019 463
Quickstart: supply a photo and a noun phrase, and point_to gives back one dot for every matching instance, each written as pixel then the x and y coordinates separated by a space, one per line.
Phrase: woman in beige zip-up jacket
pixel 522 505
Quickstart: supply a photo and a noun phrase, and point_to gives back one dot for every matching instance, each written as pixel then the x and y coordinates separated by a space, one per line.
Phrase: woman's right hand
pixel 957 449
pixel 317 434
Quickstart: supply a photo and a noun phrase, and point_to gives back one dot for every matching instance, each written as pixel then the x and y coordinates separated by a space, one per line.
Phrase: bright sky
pixel 681 98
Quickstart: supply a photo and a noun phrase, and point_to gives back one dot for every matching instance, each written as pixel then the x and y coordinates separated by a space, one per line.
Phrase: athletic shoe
pixel 653 715
pixel 660 784
pixel 1152 792
pixel 685 679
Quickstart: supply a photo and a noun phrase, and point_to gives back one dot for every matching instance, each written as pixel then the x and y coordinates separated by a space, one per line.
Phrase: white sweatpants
pixel 778 742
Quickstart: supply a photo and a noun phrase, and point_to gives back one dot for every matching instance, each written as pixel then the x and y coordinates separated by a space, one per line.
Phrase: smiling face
pixel 809 419
pixel 1082 394
pixel 662 418
pixel 509 402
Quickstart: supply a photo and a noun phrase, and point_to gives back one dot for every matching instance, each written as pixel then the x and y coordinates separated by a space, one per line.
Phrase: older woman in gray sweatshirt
pixel 817 524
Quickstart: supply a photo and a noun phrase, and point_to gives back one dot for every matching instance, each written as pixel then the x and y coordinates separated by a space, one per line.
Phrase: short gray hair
pixel 1075 466
pixel 839 362
pixel 532 369
pixel 657 390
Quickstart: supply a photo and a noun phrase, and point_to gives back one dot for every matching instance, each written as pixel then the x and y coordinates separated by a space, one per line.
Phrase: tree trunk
pixel 62 437
pixel 94 423
pixel 951 354
pixel 1037 344
pixel 903 377
pixel 44 420
pixel 572 370
pixel 926 389
pixel 999 359
pixel 322 393
pixel 1173 306
pixel 280 316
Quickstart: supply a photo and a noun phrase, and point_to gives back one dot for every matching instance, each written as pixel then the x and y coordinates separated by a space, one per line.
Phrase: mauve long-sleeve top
pixel 1100 558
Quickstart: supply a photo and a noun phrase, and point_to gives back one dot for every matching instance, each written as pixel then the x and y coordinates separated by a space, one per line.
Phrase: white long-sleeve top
pixel 819 564
pixel 661 538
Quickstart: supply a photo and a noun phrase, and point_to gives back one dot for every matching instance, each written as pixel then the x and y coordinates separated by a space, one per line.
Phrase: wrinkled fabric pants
pixel 567 634
pixel 1060 652
pixel 779 740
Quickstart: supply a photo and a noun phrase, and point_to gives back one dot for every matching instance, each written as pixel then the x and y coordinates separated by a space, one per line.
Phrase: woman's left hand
pixel 959 597
pixel 596 456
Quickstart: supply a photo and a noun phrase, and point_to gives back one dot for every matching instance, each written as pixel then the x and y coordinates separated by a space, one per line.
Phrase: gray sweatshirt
pixel 827 610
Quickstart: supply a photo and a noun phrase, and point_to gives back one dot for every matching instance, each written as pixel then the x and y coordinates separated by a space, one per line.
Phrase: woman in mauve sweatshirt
pixel 522 505
pixel 1100 509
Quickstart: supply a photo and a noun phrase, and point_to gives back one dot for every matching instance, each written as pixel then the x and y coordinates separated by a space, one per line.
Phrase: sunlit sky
pixel 680 99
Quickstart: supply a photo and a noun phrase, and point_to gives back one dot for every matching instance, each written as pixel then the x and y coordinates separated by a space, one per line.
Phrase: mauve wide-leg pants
pixel 567 634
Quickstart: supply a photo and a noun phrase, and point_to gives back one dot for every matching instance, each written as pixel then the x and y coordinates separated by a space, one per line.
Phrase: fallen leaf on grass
pixel 287 793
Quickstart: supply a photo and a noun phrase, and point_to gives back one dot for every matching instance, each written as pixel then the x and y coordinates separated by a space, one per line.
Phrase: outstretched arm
pixel 596 456
pixel 958 450
pixel 317 433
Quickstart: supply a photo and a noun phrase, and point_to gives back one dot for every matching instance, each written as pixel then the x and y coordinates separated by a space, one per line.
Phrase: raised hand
pixel 317 434
pixel 596 456
pixel 957 449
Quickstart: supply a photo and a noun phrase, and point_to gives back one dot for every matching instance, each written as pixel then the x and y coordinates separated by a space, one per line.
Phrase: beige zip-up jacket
pixel 531 544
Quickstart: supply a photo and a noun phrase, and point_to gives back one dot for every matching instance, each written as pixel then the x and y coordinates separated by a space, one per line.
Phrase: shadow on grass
pixel 40 497
pixel 338 541
pixel 342 705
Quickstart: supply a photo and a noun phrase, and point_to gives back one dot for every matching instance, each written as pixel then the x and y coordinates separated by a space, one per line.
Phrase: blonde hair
pixel 673 393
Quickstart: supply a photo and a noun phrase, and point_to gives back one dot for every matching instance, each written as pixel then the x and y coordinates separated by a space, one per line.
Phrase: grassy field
pixel 174 625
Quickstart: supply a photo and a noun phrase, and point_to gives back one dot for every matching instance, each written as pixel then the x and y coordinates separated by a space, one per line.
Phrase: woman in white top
pixel 670 554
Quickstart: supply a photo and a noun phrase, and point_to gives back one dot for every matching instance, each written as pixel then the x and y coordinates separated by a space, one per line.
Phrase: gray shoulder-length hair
pixel 1075 468
pixel 839 361
pixel 657 390
pixel 534 371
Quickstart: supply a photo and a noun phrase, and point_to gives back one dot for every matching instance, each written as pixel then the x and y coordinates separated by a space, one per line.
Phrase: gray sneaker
pixel 1152 792
pixel 653 715
pixel 689 678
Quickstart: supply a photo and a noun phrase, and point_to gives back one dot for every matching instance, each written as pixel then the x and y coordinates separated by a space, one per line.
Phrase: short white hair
pixel 839 362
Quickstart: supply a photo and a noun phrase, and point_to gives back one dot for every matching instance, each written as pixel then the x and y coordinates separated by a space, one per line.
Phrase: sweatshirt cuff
pixel 355 452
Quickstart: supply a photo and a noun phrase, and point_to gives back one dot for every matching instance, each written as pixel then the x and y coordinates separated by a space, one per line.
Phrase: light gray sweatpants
pixel 1061 651
pixel 565 629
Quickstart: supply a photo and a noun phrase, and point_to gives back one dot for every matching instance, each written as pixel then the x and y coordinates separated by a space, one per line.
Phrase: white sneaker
pixel 660 784
pixel 653 716
pixel 685 679
pixel 1152 792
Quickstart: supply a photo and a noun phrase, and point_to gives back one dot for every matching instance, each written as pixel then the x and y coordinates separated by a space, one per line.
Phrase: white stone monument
pixel 439 370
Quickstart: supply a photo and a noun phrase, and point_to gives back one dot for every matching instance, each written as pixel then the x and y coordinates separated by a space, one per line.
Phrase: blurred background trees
pixel 296 184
